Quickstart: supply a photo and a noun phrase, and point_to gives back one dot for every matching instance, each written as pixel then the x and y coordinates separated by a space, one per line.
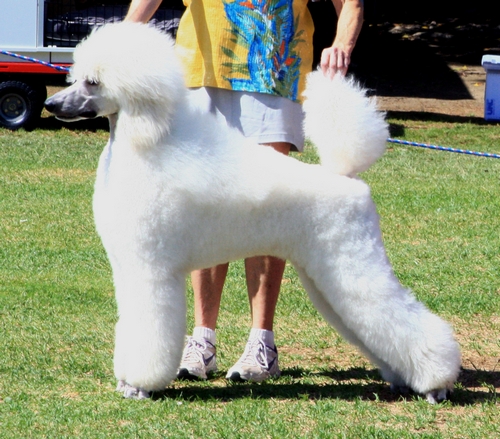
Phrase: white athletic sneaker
pixel 198 359
pixel 258 363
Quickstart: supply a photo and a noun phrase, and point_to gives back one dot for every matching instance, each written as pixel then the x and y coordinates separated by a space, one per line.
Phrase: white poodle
pixel 177 191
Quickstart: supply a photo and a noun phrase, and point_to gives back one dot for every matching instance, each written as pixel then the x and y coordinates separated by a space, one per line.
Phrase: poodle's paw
pixel 120 387
pixel 136 393
pixel 131 392
pixel 433 397
pixel 437 396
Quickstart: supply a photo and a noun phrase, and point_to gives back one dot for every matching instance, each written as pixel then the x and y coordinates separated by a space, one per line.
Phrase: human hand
pixel 334 60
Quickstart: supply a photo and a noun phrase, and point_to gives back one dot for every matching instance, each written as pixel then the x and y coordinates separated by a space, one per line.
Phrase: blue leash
pixel 443 148
pixel 401 142
pixel 38 61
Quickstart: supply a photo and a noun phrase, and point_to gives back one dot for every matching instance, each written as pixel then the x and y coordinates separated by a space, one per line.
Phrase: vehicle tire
pixel 21 104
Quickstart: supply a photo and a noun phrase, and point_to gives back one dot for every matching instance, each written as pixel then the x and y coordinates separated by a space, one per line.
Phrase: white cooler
pixel 491 64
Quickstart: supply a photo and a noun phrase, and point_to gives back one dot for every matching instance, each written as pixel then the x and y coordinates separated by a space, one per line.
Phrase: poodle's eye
pixel 92 82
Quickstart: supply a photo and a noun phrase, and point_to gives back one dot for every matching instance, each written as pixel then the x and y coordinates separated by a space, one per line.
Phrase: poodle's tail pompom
pixel 343 123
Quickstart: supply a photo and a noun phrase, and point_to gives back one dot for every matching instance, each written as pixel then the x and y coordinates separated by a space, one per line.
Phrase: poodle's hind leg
pixel 150 331
pixel 412 346
pixel 396 382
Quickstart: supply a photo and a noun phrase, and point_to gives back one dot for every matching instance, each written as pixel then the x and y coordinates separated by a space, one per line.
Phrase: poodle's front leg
pixel 150 331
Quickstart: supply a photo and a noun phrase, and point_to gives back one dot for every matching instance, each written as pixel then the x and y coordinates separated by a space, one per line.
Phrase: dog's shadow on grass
pixel 52 124
pixel 476 386
pixel 473 387
pixel 438 117
pixel 398 130
pixel 294 383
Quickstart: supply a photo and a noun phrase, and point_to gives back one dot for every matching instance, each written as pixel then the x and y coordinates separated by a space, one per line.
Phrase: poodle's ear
pixel 143 130
pixel 147 106
pixel 144 115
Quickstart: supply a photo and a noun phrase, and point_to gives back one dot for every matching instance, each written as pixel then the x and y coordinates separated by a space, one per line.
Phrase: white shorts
pixel 262 117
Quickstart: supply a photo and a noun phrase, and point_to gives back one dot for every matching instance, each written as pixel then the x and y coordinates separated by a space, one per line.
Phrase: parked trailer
pixel 48 30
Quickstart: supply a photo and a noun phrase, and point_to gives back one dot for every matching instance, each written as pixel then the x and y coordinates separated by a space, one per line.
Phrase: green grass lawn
pixel 440 219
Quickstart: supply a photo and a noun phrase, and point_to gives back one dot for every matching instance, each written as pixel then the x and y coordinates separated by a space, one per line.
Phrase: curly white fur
pixel 177 190
pixel 344 150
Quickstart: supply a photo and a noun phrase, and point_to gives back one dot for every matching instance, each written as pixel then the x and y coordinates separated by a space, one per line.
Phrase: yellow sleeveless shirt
pixel 260 46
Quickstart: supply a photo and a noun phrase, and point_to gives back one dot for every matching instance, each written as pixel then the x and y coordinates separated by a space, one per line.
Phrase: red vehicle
pixel 47 31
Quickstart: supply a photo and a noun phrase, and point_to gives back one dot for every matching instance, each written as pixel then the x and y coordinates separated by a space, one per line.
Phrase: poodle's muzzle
pixel 81 100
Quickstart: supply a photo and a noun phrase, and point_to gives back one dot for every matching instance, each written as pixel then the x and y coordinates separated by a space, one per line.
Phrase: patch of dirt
pixel 480 354
pixel 472 78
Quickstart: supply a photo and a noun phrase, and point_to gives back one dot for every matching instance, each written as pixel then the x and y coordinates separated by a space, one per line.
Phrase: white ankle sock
pixel 206 333
pixel 262 334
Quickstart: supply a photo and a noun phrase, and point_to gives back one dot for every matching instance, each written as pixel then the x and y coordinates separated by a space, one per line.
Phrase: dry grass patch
pixel 64 175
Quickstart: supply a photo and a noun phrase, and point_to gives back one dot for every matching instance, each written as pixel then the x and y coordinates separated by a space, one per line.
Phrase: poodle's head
pixel 129 69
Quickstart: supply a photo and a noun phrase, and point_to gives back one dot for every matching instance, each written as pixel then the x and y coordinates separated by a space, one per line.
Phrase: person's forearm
pixel 350 21
pixel 142 10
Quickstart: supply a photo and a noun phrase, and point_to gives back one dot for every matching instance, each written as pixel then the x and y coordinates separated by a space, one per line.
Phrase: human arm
pixel 142 10
pixel 350 20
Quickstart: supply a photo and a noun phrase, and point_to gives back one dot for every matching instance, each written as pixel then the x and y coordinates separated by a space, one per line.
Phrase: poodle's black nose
pixel 49 105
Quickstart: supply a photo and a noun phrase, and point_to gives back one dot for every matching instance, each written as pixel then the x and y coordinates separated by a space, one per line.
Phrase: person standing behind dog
pixel 246 62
